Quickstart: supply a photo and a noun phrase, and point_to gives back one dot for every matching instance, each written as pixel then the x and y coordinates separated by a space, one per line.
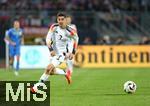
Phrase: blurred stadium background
pixel 99 22
pixel 108 21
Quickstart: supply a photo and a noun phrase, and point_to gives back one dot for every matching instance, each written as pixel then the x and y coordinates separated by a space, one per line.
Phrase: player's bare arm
pixel 9 40
pixel 73 34
pixel 49 41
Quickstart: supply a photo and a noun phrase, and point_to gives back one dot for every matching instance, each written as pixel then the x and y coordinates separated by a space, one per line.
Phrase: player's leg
pixel 69 65
pixel 11 60
pixel 17 54
pixel 69 70
pixel 12 53
pixel 50 70
pixel 17 64
pixel 11 56
pixel 43 78
pixel 59 71
pixel 56 61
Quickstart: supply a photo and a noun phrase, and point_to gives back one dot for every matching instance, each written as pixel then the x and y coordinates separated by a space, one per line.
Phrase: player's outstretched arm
pixel 74 41
pixel 8 40
pixel 49 39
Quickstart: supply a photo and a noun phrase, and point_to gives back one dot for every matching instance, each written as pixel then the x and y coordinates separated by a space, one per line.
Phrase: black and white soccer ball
pixel 130 87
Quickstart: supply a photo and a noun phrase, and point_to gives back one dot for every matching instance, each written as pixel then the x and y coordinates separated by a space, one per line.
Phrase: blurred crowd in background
pixel 103 22
pixel 76 5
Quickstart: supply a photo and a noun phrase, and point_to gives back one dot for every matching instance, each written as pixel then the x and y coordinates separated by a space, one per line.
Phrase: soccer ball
pixel 130 87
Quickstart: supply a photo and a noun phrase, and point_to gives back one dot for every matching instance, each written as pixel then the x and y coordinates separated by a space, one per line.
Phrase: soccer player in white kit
pixel 62 42
pixel 69 62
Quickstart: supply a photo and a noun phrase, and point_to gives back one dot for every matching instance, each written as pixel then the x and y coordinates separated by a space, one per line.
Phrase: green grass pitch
pixel 93 87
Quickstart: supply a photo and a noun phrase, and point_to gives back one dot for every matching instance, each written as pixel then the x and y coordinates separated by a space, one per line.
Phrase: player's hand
pixel 53 53
pixel 70 56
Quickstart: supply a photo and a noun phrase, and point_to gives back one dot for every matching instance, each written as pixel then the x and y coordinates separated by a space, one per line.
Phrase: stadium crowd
pixel 39 13
pixel 77 5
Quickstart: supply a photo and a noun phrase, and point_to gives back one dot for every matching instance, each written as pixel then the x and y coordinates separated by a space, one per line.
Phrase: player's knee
pixel 18 57
pixel 49 69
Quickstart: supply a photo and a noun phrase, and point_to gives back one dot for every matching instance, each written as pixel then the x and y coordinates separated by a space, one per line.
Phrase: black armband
pixel 50 49
pixel 74 51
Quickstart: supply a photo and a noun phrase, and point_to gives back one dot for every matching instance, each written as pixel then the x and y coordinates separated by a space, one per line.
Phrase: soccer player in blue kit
pixel 14 38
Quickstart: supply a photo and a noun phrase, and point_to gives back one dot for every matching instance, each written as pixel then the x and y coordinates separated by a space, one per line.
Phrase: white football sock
pixel 60 71
pixel 70 65
pixel 44 77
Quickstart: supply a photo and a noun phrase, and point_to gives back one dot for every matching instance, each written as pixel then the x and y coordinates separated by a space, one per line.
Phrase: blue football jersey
pixel 15 35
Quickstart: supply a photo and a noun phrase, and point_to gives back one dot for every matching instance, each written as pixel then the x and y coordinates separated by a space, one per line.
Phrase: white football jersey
pixel 73 26
pixel 70 45
pixel 61 39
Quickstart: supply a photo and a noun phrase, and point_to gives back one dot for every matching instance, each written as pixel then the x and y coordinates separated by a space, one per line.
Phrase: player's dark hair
pixel 16 19
pixel 61 14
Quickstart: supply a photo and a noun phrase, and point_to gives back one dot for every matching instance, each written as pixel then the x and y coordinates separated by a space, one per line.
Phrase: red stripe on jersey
pixel 73 32
pixel 52 26
pixel 75 45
